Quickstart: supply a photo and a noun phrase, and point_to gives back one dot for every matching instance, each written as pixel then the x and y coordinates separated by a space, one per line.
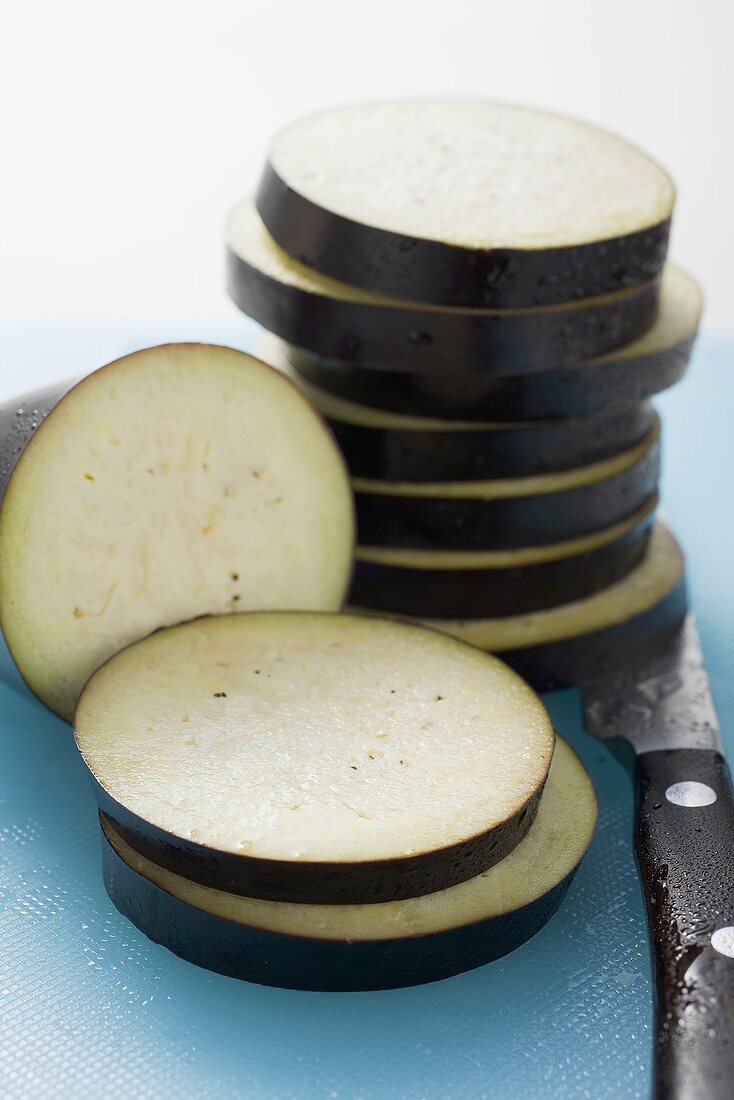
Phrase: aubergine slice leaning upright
pixel 455 583
pixel 573 643
pixel 179 481
pixel 372 946
pixel 508 513
pixel 394 447
pixel 466 203
pixel 366 329
pixel 306 757
pixel 630 374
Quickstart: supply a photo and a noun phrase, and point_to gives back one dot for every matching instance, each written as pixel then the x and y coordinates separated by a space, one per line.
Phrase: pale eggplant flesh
pixel 371 946
pixel 466 202
pixel 144 493
pixel 315 758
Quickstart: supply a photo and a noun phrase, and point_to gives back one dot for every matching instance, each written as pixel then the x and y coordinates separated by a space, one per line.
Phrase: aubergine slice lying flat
pixel 510 513
pixel 450 583
pixel 631 374
pixel 340 321
pixel 394 447
pixel 372 946
pixel 315 758
pixel 180 481
pixel 566 645
pixel 466 203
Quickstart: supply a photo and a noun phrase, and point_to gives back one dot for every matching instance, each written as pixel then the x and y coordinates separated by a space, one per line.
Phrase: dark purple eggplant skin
pixel 510 523
pixel 451 275
pixel 477 593
pixel 571 661
pixel 414 338
pixel 321 883
pixel 454 393
pixel 400 454
pixel 295 962
pixel 19 420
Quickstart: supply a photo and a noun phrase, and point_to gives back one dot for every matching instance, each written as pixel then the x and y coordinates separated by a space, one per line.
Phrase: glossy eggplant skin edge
pixel 272 958
pixel 456 593
pixel 464 523
pixel 570 661
pixel 321 883
pixel 19 420
pixel 408 337
pixel 397 454
pixel 442 274
pixel 583 389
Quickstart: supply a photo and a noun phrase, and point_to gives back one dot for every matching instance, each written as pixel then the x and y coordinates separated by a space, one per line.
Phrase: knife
pixel 659 703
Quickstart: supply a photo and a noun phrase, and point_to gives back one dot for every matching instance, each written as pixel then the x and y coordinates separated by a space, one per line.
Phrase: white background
pixel 129 128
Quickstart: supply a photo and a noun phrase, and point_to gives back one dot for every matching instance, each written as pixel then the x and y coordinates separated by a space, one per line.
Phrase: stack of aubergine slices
pixel 286 793
pixel 476 298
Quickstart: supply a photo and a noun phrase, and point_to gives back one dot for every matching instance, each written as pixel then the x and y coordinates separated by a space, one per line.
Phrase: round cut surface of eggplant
pixel 182 480
pixel 368 946
pixel 466 202
pixel 315 757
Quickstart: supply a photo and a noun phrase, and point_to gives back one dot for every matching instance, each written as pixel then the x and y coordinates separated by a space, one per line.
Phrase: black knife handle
pixel 685 851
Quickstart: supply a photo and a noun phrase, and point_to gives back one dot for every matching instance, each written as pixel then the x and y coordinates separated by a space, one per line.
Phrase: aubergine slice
pixel 509 513
pixel 315 758
pixel 466 203
pixel 179 481
pixel 342 322
pixel 450 583
pixel 630 374
pixel 373 946
pixel 378 444
pixel 566 645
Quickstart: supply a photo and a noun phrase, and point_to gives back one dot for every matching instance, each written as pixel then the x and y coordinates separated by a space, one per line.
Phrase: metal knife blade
pixel 659 700
pixel 656 700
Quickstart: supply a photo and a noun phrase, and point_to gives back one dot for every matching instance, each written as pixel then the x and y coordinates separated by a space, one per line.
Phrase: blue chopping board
pixel 90 1009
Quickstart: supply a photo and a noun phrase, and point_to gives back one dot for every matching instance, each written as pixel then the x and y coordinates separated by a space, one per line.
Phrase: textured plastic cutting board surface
pixel 90 1009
